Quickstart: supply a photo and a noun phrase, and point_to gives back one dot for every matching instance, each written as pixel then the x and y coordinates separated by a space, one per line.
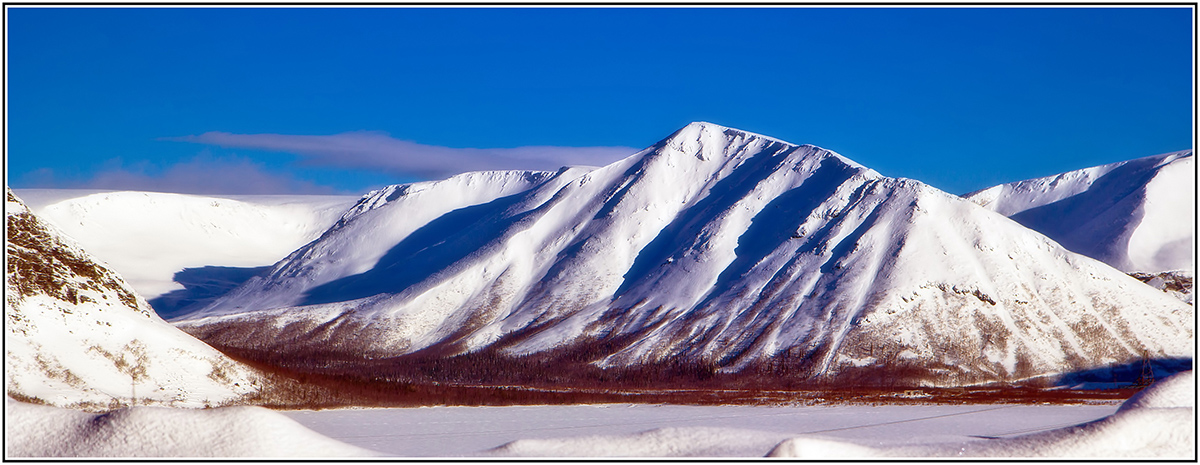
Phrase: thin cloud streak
pixel 203 174
pixel 368 150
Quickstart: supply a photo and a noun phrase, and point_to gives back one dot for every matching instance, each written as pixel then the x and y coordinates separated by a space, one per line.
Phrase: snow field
pixel 1155 425
pixel 672 430
pixel 1158 422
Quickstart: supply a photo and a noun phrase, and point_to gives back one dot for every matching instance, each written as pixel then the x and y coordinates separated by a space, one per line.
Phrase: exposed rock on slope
pixel 77 335
pixel 715 249
pixel 1178 284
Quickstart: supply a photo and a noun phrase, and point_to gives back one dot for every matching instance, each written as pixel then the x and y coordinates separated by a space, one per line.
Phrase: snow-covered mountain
pixel 178 250
pixel 713 248
pixel 363 235
pixel 77 335
pixel 1137 215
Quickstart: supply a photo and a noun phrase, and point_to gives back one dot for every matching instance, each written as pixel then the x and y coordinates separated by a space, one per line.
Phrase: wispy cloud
pixel 379 152
pixel 203 174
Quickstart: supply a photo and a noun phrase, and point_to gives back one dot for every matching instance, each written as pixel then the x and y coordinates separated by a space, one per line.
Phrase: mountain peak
pixel 710 132
pixel 708 142
pixel 718 248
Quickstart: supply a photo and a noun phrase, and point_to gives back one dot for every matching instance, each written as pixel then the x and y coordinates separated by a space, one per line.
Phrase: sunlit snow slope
pixel 242 431
pixel 77 335
pixel 426 213
pixel 1137 215
pixel 149 237
pixel 714 247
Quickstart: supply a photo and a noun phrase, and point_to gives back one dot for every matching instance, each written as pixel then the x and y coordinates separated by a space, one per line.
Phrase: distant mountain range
pixel 714 251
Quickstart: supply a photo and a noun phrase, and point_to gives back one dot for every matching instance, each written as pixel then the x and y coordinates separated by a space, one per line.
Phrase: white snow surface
pixel 149 236
pixel 242 432
pixel 1157 423
pixel 1162 428
pixel 713 245
pixel 77 335
pixel 1137 215
pixel 641 430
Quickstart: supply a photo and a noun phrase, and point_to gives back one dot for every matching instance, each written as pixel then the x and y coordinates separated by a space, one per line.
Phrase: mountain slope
pixel 1138 215
pixel 714 249
pixel 166 245
pixel 360 240
pixel 77 335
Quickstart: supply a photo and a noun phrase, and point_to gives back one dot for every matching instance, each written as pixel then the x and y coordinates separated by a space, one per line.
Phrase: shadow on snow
pixel 428 250
pixel 201 286
pixel 1124 375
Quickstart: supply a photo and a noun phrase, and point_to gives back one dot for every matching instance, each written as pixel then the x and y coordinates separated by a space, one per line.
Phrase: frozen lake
pixel 466 431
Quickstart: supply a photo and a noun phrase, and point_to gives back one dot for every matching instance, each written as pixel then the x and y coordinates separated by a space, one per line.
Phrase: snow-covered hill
pixel 177 250
pixel 714 248
pixel 1137 215
pixel 77 335
pixel 242 431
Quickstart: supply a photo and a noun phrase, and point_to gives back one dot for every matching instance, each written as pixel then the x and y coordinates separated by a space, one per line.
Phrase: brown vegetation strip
pixel 289 389
pixel 316 378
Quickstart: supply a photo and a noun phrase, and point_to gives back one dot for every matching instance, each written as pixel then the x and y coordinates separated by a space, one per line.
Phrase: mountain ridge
pixel 716 248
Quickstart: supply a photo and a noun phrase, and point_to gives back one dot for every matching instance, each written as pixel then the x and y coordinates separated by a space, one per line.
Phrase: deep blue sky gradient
pixel 961 98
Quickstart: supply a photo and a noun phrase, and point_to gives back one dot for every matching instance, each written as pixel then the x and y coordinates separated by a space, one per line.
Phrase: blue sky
pixel 291 100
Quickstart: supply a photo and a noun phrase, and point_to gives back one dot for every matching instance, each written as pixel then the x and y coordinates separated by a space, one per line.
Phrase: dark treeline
pixel 313 381
pixel 336 374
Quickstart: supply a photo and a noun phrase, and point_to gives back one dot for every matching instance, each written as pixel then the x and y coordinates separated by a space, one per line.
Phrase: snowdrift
pixel 244 432
pixel 662 442
pixel 715 249
pixel 77 335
